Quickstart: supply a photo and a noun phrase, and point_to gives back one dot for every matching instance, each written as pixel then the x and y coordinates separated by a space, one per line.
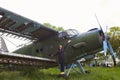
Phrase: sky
pixel 74 14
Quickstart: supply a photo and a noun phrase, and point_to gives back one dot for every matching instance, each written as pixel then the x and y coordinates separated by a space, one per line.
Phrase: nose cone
pixel 103 36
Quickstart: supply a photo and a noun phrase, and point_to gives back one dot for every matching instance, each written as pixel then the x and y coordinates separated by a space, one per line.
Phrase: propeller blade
pixel 99 24
pixel 112 52
pixel 106 43
pixel 105 47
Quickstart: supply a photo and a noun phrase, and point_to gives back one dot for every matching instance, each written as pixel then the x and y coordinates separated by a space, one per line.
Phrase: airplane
pixel 45 40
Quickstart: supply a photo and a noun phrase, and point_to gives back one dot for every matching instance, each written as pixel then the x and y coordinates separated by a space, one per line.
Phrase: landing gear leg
pixel 80 67
pixel 73 67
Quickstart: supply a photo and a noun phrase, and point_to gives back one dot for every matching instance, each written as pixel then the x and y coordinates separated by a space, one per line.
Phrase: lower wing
pixel 19 59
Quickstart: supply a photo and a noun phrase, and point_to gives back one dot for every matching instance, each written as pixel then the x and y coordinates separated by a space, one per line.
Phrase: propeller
pixel 106 43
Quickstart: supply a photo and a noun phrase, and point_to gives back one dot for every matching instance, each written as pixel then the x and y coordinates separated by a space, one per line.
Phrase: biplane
pixel 45 41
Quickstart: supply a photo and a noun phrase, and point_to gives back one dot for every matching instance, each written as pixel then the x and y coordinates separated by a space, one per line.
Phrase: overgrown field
pixel 96 73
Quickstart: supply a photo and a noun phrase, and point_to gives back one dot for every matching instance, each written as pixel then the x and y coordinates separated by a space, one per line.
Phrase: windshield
pixel 69 33
pixel 72 32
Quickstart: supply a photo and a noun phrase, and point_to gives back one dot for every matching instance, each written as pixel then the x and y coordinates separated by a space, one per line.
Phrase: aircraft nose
pixel 104 36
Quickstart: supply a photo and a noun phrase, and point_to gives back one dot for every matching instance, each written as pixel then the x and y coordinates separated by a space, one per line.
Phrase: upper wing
pixel 17 25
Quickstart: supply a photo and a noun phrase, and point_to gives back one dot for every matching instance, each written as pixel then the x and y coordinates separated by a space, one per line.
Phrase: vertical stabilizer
pixel 3 46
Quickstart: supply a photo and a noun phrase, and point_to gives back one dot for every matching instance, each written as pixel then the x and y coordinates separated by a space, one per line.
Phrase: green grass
pixel 96 73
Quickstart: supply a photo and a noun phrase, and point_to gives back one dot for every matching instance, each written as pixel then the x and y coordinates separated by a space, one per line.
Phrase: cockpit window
pixel 69 33
pixel 63 34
